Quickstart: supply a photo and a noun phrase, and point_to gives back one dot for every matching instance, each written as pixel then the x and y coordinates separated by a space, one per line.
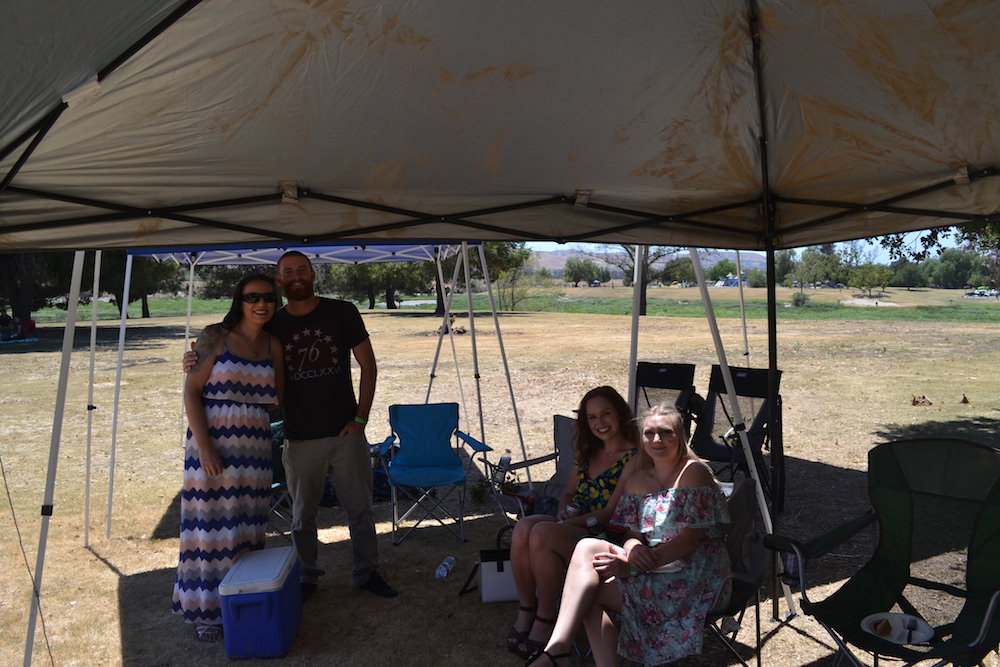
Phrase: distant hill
pixel 555 260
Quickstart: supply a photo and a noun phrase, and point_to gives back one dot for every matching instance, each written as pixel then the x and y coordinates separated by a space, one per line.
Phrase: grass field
pixel 847 385
pixel 919 304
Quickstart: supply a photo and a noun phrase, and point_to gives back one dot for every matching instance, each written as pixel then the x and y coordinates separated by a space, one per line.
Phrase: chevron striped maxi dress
pixel 225 515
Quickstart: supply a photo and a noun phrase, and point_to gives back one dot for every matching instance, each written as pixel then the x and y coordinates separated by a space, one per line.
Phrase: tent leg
pixel 57 420
pixel 727 377
pixel 118 386
pixel 506 366
pixel 633 353
pixel 90 395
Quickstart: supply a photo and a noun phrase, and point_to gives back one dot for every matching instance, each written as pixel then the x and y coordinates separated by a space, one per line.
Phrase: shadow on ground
pixel 49 339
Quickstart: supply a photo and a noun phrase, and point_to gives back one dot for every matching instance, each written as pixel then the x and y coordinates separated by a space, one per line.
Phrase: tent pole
pixel 446 326
pixel 118 388
pixel 57 420
pixel 187 341
pixel 734 404
pixel 506 367
pixel 95 292
pixel 633 351
pixel 472 332
pixel 743 309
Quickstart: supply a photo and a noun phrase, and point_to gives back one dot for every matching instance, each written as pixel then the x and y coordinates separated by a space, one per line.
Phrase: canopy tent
pixel 750 124
pixel 746 124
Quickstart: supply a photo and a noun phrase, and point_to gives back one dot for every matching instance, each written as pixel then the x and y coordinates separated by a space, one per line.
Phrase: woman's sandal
pixel 515 636
pixel 529 647
pixel 209 633
pixel 552 658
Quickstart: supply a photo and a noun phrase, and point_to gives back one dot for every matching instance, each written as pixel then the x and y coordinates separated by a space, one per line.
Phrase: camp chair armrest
pixel 527 463
pixel 476 445
pixel 383 448
pixel 991 612
pixel 821 544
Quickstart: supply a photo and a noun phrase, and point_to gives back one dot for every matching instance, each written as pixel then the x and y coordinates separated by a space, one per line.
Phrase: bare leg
pixel 551 548
pixel 524 578
pixel 584 595
pixel 602 633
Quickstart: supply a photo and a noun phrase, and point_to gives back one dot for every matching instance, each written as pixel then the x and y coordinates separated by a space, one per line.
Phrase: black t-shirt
pixel 319 393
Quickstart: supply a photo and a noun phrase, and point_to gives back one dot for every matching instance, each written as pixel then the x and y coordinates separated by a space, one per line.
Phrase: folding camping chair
pixel 748 560
pixel 419 458
pixel 715 438
pixel 279 515
pixel 657 383
pixel 516 503
pixel 931 590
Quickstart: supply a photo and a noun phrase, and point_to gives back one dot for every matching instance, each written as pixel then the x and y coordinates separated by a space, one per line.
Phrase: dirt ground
pixel 847 385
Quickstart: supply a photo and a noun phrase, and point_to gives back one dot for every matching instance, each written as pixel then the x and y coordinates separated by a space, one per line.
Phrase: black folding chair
pixel 716 440
pixel 661 382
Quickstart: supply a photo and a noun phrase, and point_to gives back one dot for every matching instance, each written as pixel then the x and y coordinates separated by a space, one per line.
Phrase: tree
pixel 906 274
pixel 364 282
pixel 580 270
pixel 148 277
pixel 721 270
pixel 868 276
pixel 784 265
pixel 756 277
pixel 953 268
pixel 817 267
pixel 29 279
pixel 218 282
pixel 679 269
pixel 984 239
pixel 623 256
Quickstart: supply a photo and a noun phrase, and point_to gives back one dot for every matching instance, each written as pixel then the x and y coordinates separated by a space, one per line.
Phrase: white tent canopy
pixel 751 124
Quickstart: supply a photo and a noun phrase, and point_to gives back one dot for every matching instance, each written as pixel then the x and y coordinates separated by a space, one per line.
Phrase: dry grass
pixel 847 385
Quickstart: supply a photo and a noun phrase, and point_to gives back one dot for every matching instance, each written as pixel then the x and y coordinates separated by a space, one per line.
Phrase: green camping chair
pixel 931 590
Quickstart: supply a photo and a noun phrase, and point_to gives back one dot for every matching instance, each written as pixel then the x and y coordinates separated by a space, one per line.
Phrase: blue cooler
pixel 261 603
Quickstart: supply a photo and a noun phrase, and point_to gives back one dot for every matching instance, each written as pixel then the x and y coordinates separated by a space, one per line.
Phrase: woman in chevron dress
pixel 227 460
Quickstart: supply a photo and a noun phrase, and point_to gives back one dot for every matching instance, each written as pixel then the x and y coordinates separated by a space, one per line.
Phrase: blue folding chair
pixel 420 458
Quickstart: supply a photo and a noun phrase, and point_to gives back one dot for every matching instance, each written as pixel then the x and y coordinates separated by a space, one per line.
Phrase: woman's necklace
pixel 252 344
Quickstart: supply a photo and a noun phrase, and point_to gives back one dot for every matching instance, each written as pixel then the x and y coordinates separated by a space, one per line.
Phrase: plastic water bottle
pixel 504 460
pixel 594 529
pixel 445 568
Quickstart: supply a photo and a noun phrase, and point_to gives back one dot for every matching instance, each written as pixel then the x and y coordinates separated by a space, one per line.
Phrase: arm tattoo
pixel 206 344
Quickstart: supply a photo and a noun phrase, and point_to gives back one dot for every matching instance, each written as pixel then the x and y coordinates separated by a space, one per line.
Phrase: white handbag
pixel 496 576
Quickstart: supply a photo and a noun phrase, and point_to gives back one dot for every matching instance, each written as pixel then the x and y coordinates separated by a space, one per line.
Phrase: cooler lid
pixel 260 571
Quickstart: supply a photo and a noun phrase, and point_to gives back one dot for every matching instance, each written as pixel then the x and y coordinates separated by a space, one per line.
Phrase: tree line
pixel 29 281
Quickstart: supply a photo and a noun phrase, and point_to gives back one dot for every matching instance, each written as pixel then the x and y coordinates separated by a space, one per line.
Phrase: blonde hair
pixel 684 451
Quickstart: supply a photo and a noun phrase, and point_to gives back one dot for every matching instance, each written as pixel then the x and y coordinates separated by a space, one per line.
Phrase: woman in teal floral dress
pixel 671 570
pixel 606 438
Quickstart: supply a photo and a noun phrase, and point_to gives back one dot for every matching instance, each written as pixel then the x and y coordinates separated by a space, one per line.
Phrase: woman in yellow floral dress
pixel 606 439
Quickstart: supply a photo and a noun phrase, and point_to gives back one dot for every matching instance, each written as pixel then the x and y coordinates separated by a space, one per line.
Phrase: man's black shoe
pixel 377 586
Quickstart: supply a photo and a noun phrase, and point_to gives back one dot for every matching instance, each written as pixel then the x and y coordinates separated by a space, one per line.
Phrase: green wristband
pixel 361 420
pixel 632 571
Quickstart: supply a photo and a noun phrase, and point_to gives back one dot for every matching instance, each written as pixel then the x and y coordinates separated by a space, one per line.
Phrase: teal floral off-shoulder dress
pixel 663 614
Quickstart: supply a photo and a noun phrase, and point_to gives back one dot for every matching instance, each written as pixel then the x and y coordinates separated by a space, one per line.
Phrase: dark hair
pixel 235 313
pixel 295 253
pixel 587 444
pixel 684 451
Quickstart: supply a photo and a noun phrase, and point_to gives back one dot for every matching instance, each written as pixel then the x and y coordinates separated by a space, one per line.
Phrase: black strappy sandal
pixel 529 647
pixel 515 637
pixel 552 658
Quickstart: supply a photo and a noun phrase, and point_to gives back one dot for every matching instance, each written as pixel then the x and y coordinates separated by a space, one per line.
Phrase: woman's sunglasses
pixel 254 297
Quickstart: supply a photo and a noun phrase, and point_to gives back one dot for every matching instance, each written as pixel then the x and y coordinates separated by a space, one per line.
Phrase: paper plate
pixel 899 634
pixel 667 568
